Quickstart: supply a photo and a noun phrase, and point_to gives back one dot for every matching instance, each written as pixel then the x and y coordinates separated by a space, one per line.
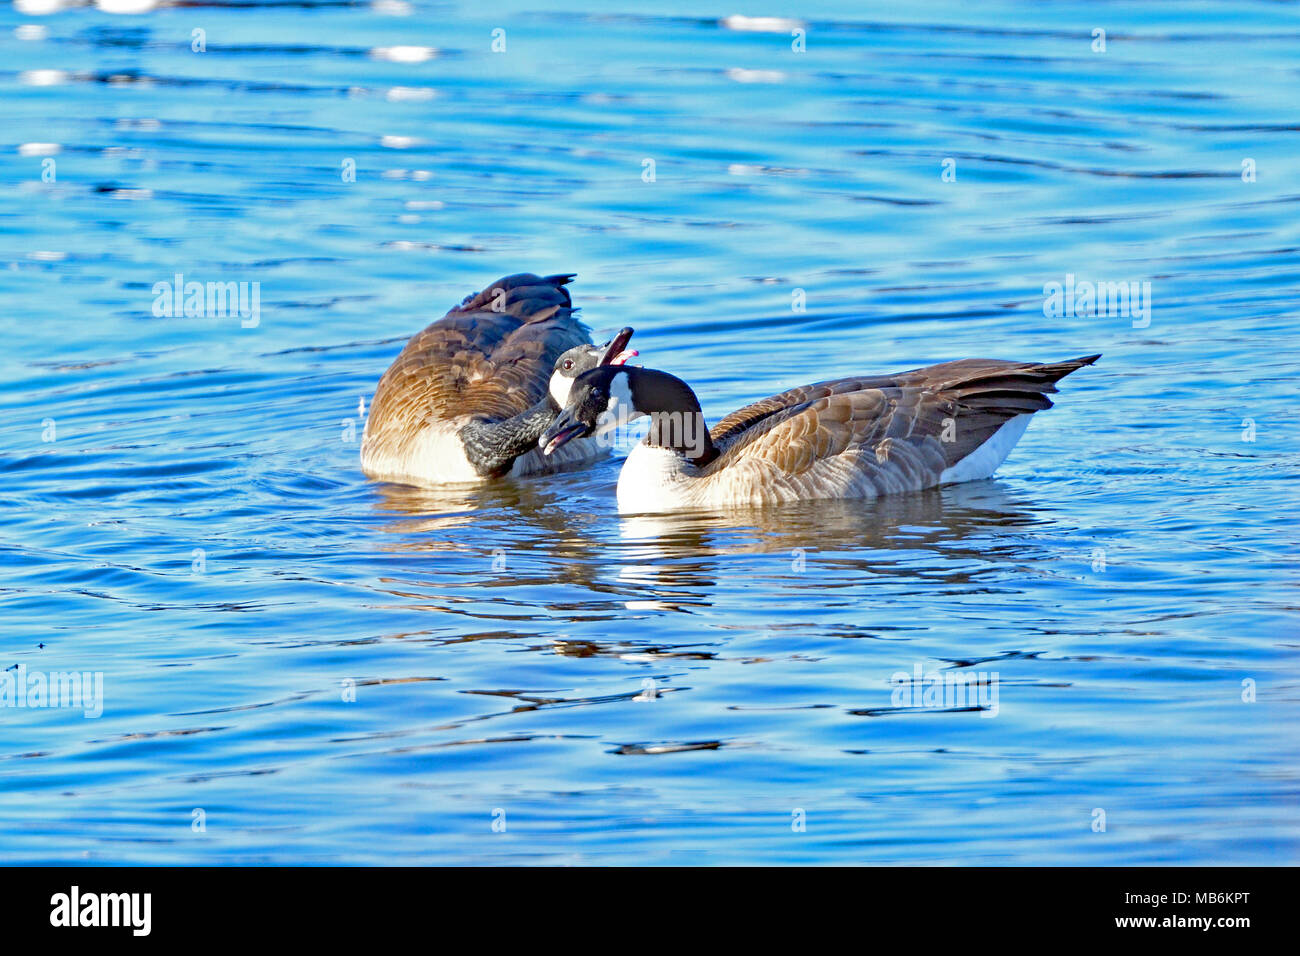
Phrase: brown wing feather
pixel 899 431
pixel 490 357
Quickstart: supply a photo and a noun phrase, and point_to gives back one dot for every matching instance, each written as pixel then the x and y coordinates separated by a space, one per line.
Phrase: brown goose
pixel 467 398
pixel 851 438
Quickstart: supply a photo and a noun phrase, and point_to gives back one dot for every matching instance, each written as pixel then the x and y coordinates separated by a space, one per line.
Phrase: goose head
pixel 610 396
pixel 593 397
pixel 584 358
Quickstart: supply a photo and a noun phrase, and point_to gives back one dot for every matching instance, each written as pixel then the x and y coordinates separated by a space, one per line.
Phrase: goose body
pixel 858 437
pixel 466 399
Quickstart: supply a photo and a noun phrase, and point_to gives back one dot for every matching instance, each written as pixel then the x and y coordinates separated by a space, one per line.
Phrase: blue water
pixel 183 512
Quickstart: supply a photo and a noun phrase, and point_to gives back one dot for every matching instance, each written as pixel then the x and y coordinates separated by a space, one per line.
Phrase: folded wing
pixel 877 434
pixel 490 357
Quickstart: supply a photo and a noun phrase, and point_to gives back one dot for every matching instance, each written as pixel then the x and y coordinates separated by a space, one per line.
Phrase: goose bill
pixel 616 350
pixel 563 430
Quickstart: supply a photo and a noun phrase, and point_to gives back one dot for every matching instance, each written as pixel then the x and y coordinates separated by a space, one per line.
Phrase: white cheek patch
pixel 621 394
pixel 559 388
pixel 620 409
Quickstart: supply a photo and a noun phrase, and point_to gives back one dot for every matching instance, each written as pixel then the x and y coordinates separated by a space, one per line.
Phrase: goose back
pixel 488 359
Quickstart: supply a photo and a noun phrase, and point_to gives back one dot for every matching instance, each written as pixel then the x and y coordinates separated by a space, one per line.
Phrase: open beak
pixel 616 350
pixel 564 429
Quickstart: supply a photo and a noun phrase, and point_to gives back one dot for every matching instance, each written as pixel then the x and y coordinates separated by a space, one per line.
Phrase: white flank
pixel 436 456
pixel 984 460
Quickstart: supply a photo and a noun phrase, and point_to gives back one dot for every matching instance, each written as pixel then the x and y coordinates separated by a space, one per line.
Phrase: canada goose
pixel 850 438
pixel 467 398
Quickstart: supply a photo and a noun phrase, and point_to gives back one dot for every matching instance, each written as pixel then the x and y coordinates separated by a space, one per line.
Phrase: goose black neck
pixel 676 419
pixel 492 447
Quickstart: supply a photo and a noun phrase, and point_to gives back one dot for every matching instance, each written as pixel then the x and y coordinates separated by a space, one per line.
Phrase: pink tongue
pixel 622 357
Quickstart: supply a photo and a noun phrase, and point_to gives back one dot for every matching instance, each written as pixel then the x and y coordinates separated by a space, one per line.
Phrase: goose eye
pixel 568 365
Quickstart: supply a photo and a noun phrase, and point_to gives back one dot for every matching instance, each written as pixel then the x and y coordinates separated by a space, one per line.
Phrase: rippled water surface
pixel 536 679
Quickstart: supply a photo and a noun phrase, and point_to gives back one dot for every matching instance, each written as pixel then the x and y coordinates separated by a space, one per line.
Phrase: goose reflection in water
pixel 673 563
pixel 673 557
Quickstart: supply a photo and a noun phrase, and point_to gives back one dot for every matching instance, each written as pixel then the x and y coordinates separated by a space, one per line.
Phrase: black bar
pixel 330 906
